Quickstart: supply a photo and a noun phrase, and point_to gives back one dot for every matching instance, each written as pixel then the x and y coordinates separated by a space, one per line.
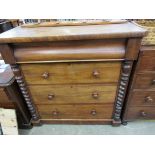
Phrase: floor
pixel 133 128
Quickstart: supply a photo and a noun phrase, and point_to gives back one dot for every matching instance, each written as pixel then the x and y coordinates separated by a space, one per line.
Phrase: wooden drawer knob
pixel 153 82
pixel 55 113
pixel 148 99
pixel 95 95
pixel 96 74
pixel 93 112
pixel 51 96
pixel 45 75
pixel 143 113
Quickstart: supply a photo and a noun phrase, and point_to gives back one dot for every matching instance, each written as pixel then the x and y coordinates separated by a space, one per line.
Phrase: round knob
pixel 143 113
pixel 148 99
pixel 96 74
pixel 51 96
pixel 45 75
pixel 55 113
pixel 95 95
pixel 93 112
pixel 153 82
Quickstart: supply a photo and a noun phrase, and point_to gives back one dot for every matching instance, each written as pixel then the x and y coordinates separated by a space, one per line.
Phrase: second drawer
pixel 68 94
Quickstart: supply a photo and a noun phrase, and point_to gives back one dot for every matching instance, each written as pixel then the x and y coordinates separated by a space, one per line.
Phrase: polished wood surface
pixel 72 94
pixel 142 98
pixel 146 61
pixel 75 66
pixel 75 111
pixel 40 34
pixel 140 113
pixel 144 81
pixel 70 50
pixel 140 103
pixel 63 73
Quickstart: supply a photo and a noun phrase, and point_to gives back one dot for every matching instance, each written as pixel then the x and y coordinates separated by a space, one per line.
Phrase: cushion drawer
pixel 75 111
pixel 63 73
pixel 68 94
pixel 142 98
pixel 147 61
pixel 144 81
pixel 140 113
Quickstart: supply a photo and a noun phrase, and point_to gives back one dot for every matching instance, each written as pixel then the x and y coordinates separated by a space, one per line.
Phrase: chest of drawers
pixel 73 74
pixel 141 97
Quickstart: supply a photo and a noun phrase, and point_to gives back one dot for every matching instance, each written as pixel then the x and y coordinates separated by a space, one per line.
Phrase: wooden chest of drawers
pixel 73 74
pixel 141 97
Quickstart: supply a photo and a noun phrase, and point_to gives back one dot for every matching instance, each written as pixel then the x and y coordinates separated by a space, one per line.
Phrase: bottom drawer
pixel 75 111
pixel 140 113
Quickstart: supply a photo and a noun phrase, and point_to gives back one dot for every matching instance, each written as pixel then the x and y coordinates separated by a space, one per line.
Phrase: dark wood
pixel 142 98
pixel 7 54
pixel 132 49
pixel 140 113
pixel 24 91
pixel 144 81
pixel 121 93
pixel 19 34
pixel 140 102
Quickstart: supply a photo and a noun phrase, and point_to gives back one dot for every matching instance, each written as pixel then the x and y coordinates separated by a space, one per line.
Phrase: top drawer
pixel 70 50
pixel 66 73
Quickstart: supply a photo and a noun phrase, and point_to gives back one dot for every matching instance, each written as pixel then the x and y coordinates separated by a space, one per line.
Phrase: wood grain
pixel 65 73
pixel 40 34
pixel 75 111
pixel 73 94
pixel 144 81
pixel 140 98
pixel 70 50
pixel 137 113
pixel 147 61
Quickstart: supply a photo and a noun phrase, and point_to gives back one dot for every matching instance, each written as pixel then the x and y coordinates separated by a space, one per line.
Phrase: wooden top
pixel 6 75
pixel 22 34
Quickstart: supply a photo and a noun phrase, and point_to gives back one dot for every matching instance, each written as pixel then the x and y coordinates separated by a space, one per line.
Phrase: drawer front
pixel 75 111
pixel 145 81
pixel 142 98
pixel 68 94
pixel 141 113
pixel 147 61
pixel 65 73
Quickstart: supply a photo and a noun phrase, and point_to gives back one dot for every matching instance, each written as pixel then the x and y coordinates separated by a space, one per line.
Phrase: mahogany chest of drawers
pixel 73 74
pixel 11 97
pixel 141 98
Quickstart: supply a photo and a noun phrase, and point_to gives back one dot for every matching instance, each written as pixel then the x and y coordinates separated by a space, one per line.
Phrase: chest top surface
pixel 63 33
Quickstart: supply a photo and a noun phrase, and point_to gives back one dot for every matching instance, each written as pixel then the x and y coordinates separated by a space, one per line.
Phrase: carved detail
pixel 125 75
pixel 24 91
